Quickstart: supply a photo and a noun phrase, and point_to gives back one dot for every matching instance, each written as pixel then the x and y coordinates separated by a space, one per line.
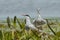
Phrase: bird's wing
pixel 33 21
pixel 32 26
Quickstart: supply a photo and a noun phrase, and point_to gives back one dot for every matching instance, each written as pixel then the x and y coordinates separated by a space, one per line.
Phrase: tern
pixel 29 25
pixel 39 21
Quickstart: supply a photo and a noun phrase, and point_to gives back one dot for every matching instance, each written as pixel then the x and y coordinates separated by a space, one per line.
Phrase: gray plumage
pixel 39 21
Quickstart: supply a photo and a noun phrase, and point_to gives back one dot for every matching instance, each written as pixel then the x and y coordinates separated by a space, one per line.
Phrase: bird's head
pixel 27 19
pixel 26 15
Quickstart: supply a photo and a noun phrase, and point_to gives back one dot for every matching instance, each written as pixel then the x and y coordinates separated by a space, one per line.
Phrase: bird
pixel 39 21
pixel 29 25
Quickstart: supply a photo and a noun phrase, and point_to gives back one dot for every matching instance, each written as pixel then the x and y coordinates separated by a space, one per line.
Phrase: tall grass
pixel 15 30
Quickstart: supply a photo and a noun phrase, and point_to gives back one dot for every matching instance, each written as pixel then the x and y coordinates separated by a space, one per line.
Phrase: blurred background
pixel 11 8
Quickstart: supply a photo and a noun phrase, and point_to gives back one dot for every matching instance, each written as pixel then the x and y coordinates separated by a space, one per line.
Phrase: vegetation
pixel 15 30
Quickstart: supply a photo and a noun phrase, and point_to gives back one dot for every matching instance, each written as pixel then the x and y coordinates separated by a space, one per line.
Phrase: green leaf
pixel 1 35
pixel 58 34
pixel 19 23
pixel 14 23
pixel 8 22
pixel 15 19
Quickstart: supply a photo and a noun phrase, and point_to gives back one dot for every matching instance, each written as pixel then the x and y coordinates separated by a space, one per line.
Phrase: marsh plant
pixel 15 30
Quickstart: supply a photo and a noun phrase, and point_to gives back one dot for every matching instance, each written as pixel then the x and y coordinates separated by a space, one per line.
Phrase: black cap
pixel 27 15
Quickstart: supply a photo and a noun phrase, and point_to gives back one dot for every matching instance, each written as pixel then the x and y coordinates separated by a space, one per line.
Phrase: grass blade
pixel 8 22
pixel 50 28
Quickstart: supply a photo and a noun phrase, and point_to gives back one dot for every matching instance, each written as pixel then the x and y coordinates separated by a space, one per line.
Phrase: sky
pixel 11 8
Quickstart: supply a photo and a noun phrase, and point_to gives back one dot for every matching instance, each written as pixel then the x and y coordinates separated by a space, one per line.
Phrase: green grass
pixel 14 29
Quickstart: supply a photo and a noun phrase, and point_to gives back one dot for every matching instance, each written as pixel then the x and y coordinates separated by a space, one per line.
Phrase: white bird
pixel 39 21
pixel 30 25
